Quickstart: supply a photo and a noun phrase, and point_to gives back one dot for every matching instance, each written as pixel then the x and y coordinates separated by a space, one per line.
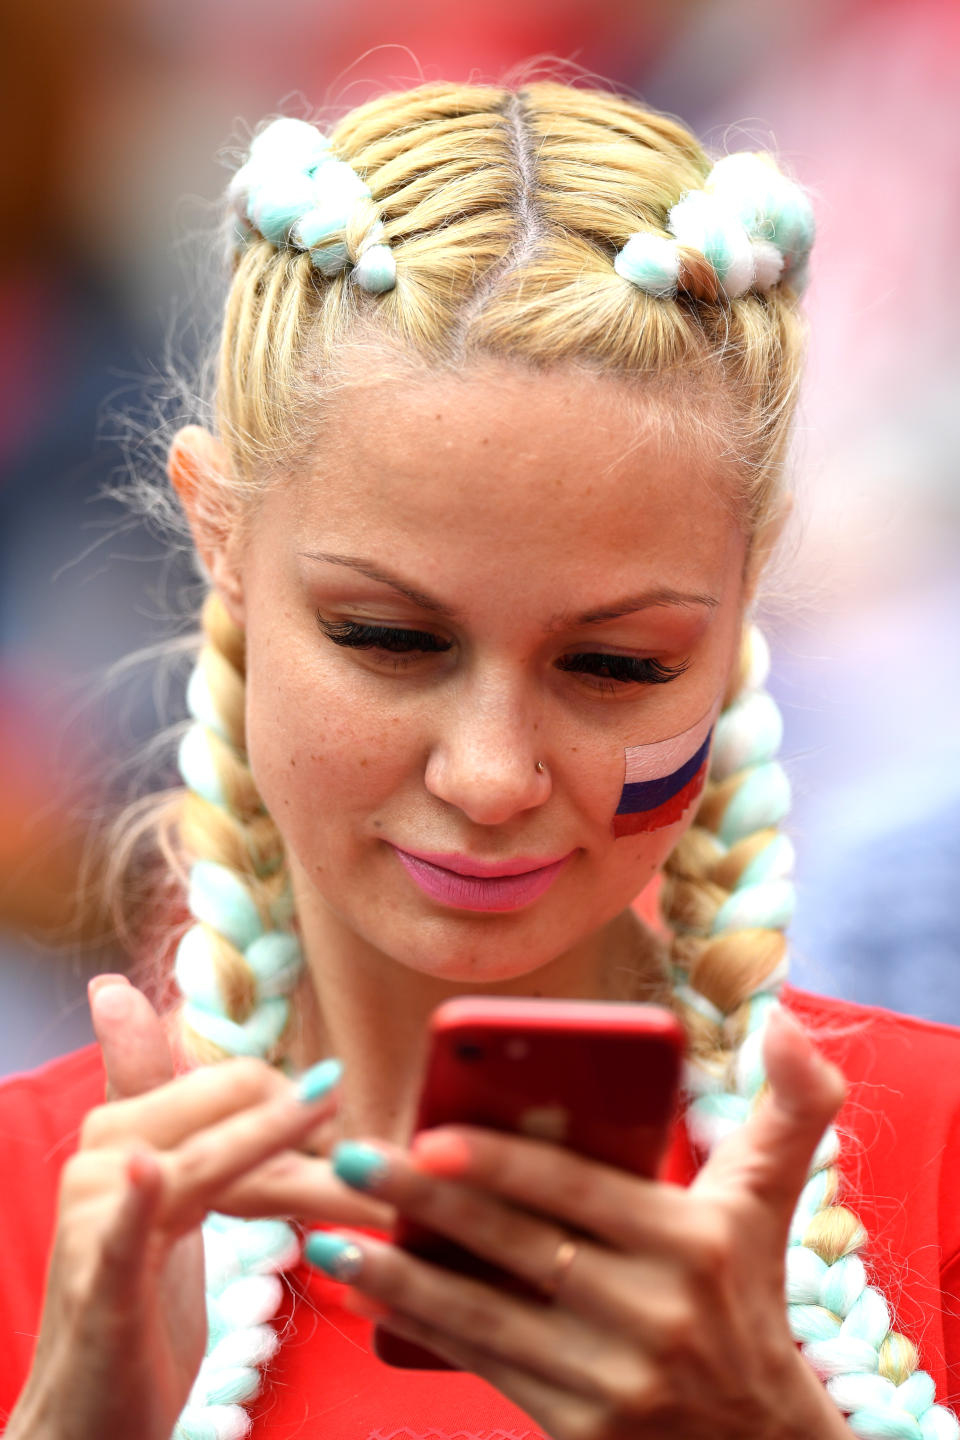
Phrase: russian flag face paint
pixel 662 781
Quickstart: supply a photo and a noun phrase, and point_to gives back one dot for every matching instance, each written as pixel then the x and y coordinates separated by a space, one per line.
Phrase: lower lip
pixel 471 892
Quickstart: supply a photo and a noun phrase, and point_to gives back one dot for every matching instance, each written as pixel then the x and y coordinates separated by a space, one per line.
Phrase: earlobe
pixel 198 467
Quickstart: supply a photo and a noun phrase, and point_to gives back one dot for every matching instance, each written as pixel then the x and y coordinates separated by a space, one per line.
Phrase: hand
pixel 671 1319
pixel 124 1321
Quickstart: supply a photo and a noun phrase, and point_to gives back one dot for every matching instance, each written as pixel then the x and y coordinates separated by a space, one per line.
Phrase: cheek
pixel 663 782
pixel 679 805
pixel 320 753
pixel 303 743
pixel 638 857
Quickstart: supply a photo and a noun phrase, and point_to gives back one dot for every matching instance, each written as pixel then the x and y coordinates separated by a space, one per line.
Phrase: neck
pixel 372 1012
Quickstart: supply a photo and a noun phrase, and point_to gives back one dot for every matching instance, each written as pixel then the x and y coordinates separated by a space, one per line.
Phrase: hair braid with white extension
pixel 728 898
pixel 235 967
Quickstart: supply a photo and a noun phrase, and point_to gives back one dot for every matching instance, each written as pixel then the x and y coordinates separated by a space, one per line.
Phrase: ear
pixel 197 465
pixel 764 542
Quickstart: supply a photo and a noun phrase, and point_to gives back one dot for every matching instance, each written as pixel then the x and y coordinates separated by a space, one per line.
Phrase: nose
pixel 485 760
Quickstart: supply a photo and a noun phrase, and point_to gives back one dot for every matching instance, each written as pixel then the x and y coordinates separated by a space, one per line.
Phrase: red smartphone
pixel 600 1077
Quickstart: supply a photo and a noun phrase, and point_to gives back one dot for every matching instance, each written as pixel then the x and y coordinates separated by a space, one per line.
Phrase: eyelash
pixel 611 671
pixel 623 669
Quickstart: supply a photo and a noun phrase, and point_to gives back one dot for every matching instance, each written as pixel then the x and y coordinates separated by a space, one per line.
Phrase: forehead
pixel 509 467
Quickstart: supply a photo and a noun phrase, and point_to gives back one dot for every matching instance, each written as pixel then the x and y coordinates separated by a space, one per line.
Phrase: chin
pixel 473 973
pixel 481 949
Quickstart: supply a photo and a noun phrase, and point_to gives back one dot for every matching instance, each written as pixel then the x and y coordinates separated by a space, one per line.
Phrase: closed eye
pixel 622 669
pixel 610 671
pixel 380 637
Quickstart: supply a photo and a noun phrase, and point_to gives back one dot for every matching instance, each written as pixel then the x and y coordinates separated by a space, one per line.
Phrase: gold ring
pixel 564 1258
pixel 541 768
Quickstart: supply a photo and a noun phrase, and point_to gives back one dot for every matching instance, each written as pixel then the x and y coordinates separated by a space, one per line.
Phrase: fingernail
pixel 142 1169
pixel 359 1165
pixel 97 982
pixel 318 1080
pixel 440 1153
pixel 791 1025
pixel 110 1000
pixel 785 1018
pixel 336 1256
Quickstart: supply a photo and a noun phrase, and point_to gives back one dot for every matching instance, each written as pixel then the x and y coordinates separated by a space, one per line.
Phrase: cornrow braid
pixel 728 899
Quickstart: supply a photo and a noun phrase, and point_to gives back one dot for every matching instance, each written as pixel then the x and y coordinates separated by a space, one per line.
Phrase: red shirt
pixel 900 1159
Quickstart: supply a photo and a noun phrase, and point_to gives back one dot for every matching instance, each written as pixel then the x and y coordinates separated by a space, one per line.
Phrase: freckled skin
pixel 548 495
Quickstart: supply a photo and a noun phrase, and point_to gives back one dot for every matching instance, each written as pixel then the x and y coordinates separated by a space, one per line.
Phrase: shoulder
pixel 910 1067
pixel 883 1038
pixel 805 1002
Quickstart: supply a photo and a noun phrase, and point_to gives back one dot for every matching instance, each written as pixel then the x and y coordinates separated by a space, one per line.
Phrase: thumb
pixel 136 1055
pixel 769 1157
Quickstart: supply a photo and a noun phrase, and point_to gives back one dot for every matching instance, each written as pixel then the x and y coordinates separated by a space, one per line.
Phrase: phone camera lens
pixel 468 1051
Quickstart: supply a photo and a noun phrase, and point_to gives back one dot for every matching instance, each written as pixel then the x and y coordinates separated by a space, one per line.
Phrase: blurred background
pixel 121 119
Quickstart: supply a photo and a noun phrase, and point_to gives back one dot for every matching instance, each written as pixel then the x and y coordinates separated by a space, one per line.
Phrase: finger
pixel 770 1156
pixel 192 1103
pixel 609 1287
pixel 207 1161
pixel 93 986
pixel 556 1411
pixel 625 1212
pixel 125 1245
pixel 110 977
pixel 288 1184
pixel 514 1240
pixel 322 1139
pixel 136 1055
pixel 551 1343
pixel 305 1189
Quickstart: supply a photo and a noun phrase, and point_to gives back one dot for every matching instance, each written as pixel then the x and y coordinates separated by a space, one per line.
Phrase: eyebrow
pixel 629 605
pixel 383 577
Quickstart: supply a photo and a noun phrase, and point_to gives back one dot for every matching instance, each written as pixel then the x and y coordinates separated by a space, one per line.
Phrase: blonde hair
pixel 504 211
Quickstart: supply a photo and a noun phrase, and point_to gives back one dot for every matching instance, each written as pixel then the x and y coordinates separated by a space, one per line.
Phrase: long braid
pixel 238 963
pixel 235 967
pixel 728 899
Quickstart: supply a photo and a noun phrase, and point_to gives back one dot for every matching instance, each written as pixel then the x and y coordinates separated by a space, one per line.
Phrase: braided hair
pixel 546 224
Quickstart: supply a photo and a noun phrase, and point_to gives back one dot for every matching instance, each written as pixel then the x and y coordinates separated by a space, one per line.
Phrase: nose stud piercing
pixel 541 768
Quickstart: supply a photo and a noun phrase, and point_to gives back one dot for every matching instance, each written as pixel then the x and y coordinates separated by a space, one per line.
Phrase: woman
pixel 504 394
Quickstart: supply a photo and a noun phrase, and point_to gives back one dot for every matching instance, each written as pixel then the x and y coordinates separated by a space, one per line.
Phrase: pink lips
pixel 468 884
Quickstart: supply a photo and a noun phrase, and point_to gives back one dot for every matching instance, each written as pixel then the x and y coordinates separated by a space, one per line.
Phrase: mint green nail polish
pixel 359 1165
pixel 333 1254
pixel 316 1081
